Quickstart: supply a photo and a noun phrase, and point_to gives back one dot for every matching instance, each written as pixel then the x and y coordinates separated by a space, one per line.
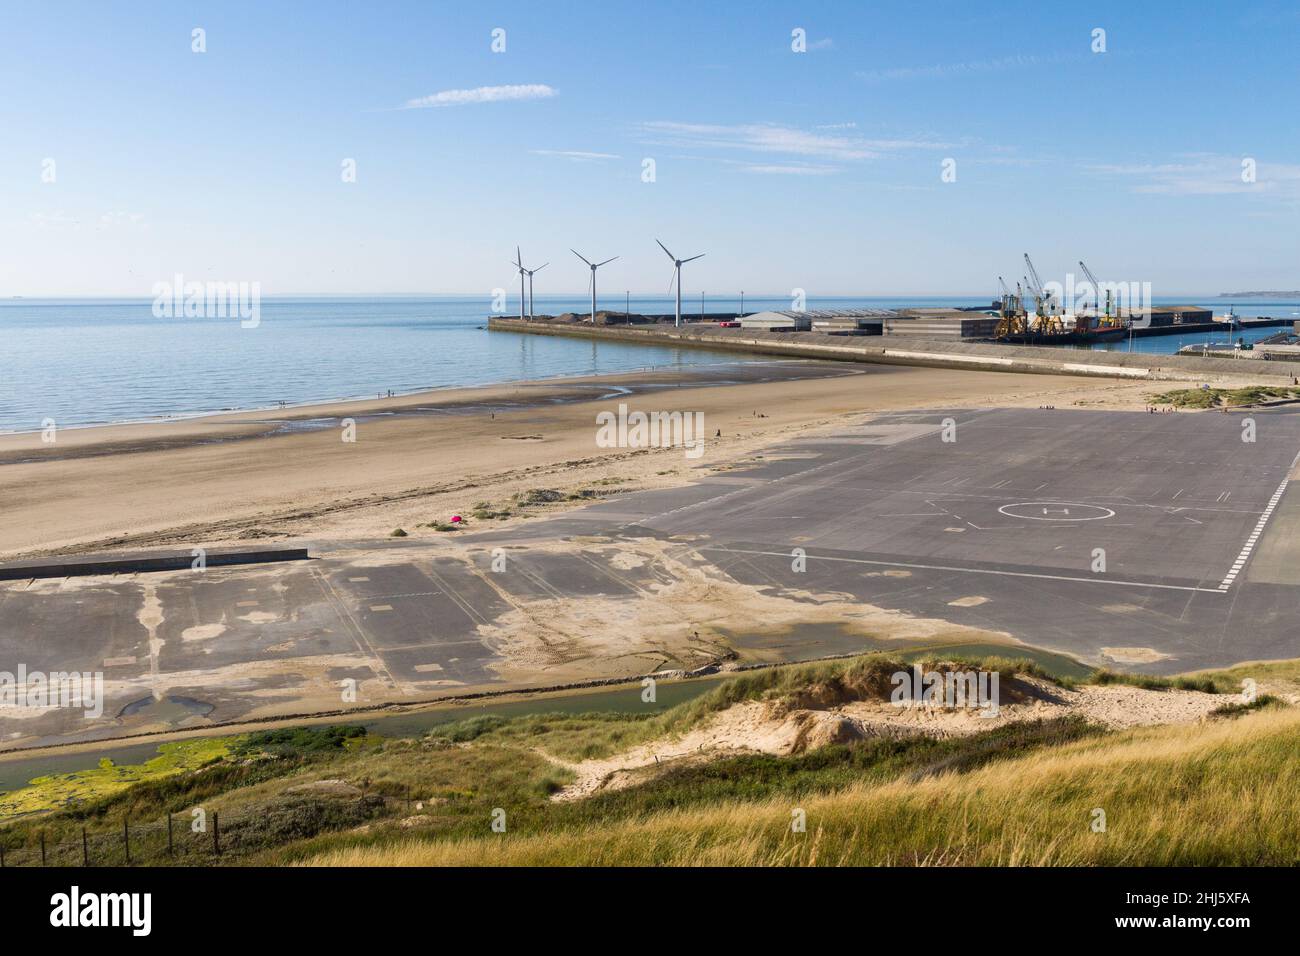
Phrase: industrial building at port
pixel 943 323
pixel 935 323
pixel 932 323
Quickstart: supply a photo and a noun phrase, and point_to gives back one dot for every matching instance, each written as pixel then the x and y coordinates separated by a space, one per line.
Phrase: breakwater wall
pixel 926 352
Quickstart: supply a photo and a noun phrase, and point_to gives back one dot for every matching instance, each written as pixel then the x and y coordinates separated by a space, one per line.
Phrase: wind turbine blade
pixel 673 276
pixel 693 258
pixel 579 255
pixel 591 280
pixel 665 249
pixel 541 267
pixel 598 264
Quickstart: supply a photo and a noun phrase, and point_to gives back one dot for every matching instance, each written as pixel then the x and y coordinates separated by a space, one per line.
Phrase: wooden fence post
pixel 85 849
pixel 42 848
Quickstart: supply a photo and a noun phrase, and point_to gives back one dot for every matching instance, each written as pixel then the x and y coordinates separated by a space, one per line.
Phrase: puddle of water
pixel 171 710
pixel 621 700
pixel 1056 664
pixel 804 641
pixel 306 425
pixel 18 773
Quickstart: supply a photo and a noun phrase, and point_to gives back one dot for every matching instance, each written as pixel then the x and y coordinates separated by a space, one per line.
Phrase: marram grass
pixel 1219 793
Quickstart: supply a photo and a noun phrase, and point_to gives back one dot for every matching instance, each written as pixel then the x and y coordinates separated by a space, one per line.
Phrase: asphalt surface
pixel 1160 543
pixel 1074 531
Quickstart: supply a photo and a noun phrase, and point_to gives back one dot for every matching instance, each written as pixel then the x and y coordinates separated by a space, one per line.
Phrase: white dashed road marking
pixel 1249 546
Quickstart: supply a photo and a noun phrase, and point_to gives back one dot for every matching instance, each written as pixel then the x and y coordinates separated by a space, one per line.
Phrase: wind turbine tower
pixel 518 264
pixel 593 266
pixel 677 276
pixel 530 273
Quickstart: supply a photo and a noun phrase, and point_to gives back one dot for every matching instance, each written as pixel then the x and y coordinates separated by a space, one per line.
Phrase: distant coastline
pixel 1260 295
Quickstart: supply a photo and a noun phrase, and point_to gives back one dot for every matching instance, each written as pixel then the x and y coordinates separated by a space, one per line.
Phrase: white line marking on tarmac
pixel 1052 508
pixel 1009 574
pixel 389 597
pixel 954 495
pixel 1249 546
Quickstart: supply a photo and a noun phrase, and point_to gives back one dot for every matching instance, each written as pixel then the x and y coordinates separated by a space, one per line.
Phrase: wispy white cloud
pixel 53 220
pixel 777 139
pixel 577 155
pixel 789 169
pixel 109 220
pixel 482 94
pixel 965 68
pixel 826 43
pixel 1203 174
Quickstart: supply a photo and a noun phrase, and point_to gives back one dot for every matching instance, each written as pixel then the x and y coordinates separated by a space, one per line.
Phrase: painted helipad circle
pixel 1056 511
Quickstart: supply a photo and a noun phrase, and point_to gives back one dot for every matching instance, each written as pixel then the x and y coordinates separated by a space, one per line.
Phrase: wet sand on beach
pixel 287 473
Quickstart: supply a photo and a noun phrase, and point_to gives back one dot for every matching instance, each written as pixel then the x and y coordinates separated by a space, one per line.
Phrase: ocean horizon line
pixel 582 294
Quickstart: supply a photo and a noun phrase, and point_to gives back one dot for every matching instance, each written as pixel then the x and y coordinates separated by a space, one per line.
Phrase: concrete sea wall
pixel 928 352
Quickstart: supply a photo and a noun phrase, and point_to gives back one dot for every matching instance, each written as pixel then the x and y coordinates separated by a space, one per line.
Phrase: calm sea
pixel 83 362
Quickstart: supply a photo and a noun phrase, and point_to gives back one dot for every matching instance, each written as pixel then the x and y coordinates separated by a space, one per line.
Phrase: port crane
pixel 1008 302
pixel 1096 291
pixel 1012 318
pixel 1046 320
pixel 1106 321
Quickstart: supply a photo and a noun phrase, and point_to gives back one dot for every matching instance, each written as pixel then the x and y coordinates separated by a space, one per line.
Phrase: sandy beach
pixel 287 474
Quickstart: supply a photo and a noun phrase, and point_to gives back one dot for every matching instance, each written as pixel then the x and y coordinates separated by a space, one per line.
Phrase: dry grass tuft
pixel 1220 793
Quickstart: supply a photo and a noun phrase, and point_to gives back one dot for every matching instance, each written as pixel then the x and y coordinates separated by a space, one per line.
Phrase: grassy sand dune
pixel 1221 793
pixel 1214 782
pixel 1225 397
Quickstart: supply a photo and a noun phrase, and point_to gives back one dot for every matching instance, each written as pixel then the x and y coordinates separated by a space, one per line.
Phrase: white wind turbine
pixel 677 276
pixel 593 266
pixel 530 273
pixel 518 264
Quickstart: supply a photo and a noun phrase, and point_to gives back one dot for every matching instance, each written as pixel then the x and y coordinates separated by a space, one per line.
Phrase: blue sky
pixel 819 170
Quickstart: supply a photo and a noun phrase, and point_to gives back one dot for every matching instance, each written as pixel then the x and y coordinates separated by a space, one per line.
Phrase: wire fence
pixel 188 838
pixel 172 837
